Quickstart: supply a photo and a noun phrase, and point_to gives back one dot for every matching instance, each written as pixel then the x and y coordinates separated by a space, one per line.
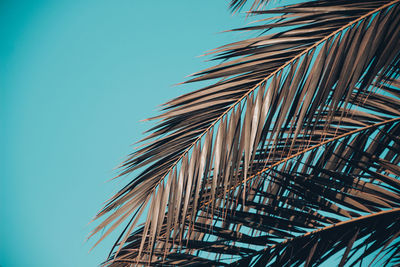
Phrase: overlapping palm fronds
pixel 290 158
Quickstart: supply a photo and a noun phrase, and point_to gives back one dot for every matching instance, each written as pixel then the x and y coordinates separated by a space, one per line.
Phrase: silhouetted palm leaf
pixel 256 4
pixel 298 142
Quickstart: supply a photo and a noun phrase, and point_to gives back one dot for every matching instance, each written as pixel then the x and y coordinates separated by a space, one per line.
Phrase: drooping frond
pixel 302 127
pixel 353 175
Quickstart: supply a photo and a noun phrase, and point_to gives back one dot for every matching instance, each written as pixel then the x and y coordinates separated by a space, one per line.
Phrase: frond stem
pixel 271 75
pixel 311 148
pixel 371 215
pixel 321 144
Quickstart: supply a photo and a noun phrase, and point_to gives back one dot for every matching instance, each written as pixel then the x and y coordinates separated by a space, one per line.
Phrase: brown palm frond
pixel 313 107
pixel 352 175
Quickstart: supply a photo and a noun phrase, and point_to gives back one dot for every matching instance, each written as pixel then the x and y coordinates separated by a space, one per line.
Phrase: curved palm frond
pixel 294 112
pixel 352 175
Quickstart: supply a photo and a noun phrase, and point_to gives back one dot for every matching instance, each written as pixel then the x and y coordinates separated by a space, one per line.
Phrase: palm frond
pixel 315 247
pixel 352 175
pixel 293 111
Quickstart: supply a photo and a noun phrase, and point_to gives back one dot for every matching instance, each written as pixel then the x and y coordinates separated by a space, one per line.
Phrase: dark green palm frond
pixel 282 98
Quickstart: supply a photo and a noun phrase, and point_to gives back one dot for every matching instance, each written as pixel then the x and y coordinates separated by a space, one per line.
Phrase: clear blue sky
pixel 76 77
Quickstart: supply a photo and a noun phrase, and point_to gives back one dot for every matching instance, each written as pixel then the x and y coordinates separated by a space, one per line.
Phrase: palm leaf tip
pixel 302 131
pixel 237 5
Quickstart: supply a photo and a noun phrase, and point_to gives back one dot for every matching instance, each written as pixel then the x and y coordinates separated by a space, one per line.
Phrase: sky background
pixel 76 78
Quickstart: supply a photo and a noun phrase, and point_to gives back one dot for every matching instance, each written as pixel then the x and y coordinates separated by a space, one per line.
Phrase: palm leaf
pixel 350 178
pixel 234 146
pixel 236 5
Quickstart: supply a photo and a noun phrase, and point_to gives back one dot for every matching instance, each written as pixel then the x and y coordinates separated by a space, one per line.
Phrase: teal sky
pixel 76 78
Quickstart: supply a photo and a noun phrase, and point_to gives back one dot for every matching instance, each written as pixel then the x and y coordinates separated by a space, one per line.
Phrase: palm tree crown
pixel 289 157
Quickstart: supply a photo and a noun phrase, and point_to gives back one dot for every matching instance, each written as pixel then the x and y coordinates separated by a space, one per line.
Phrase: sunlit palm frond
pixel 303 123
pixel 351 177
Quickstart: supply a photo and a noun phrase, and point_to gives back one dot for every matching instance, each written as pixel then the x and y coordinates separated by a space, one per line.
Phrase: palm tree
pixel 290 157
